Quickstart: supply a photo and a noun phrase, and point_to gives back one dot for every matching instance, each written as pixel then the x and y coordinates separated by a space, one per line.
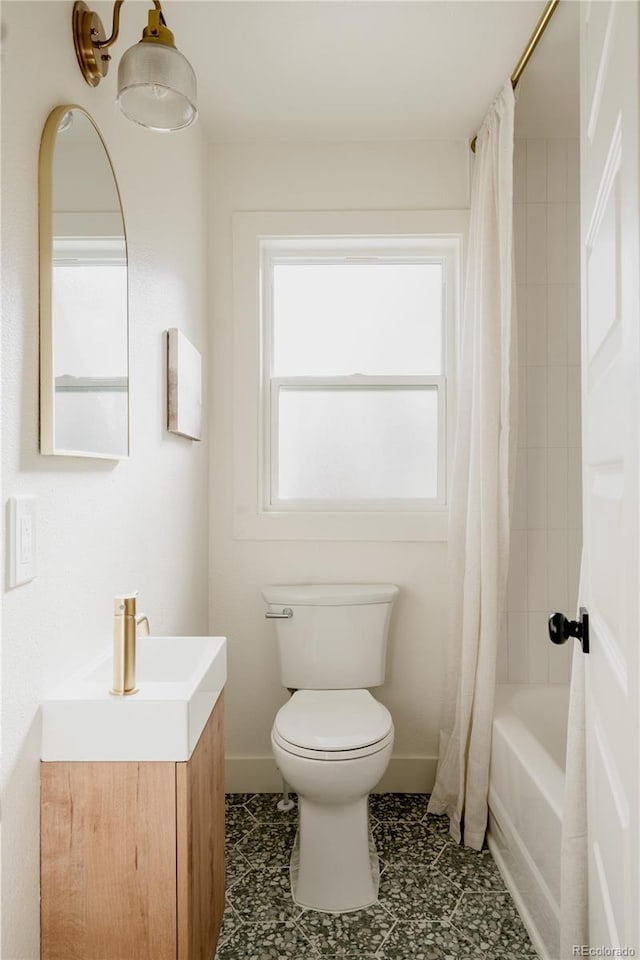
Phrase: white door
pixel 611 425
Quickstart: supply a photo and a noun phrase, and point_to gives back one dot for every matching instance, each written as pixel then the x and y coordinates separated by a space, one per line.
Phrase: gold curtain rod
pixel 534 40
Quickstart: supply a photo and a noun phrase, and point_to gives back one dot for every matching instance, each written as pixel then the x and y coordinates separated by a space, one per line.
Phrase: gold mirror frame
pixel 47 333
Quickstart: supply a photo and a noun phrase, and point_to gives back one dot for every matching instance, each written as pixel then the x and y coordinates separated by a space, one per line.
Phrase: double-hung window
pixel 344 346
pixel 356 343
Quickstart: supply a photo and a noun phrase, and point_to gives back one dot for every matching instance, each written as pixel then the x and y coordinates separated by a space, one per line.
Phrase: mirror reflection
pixel 88 355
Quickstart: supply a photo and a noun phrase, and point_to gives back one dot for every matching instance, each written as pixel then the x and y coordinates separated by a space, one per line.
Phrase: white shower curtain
pixel 482 481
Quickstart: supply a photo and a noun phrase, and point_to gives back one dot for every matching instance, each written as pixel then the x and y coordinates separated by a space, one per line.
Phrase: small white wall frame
pixel 184 386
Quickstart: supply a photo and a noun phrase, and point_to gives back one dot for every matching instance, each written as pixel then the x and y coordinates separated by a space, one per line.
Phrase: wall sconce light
pixel 156 84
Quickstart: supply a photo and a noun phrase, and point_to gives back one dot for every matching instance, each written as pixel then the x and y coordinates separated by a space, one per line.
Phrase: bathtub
pixel 526 787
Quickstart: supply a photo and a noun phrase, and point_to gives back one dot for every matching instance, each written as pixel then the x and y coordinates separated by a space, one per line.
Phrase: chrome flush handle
pixel 286 614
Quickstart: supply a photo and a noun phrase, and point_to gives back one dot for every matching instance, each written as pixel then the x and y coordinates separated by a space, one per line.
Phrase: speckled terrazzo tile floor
pixel 437 901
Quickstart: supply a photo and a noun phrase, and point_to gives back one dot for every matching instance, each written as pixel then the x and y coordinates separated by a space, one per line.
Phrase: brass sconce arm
pixel 115 30
pixel 91 42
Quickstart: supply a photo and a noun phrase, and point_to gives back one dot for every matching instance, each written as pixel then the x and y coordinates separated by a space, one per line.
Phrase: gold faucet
pixel 125 626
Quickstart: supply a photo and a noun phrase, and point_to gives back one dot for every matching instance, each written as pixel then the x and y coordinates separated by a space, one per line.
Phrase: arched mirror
pixel 84 329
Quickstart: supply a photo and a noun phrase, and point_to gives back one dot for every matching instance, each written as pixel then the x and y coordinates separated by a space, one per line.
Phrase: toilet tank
pixel 336 638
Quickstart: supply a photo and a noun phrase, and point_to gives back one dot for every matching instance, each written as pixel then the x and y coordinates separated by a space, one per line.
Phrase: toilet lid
pixel 333 720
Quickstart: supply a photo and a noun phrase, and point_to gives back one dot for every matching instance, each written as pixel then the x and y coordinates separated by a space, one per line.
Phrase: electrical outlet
pixel 23 519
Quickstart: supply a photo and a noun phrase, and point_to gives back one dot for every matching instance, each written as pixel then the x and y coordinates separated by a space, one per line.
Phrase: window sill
pixel 416 526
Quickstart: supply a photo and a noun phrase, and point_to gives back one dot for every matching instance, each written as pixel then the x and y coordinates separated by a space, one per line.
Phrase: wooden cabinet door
pixel 108 861
pixel 200 835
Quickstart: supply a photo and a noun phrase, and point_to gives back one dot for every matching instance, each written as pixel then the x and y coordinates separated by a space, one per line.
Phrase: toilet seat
pixel 330 755
pixel 333 725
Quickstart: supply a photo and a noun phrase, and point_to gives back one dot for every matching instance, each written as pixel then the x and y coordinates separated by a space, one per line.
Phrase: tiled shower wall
pixel 546 529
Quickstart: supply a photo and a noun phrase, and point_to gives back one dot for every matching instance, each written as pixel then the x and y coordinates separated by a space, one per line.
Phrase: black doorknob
pixel 560 628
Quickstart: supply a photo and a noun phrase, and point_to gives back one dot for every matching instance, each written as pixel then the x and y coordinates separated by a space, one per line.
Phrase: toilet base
pixel 334 864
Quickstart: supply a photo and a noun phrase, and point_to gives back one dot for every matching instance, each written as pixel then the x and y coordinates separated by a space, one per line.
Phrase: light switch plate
pixel 23 539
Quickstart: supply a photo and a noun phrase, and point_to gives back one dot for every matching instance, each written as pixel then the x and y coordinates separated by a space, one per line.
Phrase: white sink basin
pixel 179 680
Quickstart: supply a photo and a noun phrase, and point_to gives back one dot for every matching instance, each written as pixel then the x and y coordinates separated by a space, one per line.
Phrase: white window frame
pixel 260 241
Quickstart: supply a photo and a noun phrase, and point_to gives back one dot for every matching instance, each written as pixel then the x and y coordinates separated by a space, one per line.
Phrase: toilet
pixel 332 741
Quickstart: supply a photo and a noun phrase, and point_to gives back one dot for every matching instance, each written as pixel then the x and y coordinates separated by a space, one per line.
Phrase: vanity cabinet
pixel 132 856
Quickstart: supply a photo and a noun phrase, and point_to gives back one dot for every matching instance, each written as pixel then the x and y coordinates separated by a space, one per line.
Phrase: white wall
pixel 546 535
pixel 330 176
pixel 104 527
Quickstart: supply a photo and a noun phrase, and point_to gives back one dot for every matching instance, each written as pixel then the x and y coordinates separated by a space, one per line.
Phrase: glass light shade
pixel 157 87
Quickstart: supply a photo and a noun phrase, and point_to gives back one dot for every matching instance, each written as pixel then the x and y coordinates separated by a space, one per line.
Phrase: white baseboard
pixel 260 775
pixel 252 775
